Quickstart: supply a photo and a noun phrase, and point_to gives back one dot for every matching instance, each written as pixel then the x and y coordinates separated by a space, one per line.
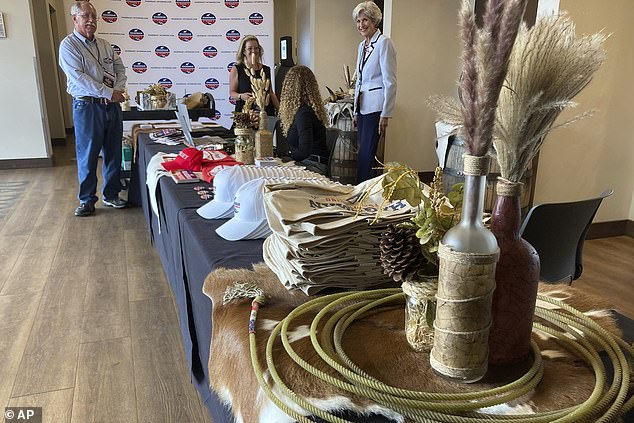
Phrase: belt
pixel 318 159
pixel 88 99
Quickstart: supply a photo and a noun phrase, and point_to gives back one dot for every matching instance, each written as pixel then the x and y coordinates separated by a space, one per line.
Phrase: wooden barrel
pixel 343 162
pixel 453 174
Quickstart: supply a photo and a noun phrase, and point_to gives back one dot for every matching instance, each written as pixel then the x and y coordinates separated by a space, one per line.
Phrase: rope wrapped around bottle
pixel 466 282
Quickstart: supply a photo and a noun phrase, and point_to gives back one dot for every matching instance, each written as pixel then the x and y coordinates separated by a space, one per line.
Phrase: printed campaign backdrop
pixel 185 45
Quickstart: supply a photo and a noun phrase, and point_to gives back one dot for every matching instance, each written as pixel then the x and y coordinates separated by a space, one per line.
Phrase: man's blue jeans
pixel 98 127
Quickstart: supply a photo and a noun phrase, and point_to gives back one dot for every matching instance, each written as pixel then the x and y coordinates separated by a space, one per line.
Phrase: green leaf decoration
pixel 401 183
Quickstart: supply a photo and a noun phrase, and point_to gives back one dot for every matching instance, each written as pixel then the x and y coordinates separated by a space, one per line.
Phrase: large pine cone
pixel 401 255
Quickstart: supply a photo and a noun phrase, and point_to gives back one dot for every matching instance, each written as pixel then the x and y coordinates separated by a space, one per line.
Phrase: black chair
pixel 558 231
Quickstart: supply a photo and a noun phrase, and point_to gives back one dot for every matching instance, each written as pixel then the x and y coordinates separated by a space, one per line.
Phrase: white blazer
pixel 375 90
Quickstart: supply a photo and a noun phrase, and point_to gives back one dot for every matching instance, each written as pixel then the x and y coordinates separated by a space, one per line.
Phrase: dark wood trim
pixel 609 229
pixel 26 163
pixel 57 142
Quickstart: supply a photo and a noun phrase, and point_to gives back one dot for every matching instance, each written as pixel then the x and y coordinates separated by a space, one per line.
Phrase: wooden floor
pixel 88 327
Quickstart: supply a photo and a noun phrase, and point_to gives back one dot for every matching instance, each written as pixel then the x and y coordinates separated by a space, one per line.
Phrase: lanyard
pixel 98 57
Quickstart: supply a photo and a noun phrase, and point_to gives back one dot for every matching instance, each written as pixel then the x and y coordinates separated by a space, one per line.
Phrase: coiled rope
pixel 572 328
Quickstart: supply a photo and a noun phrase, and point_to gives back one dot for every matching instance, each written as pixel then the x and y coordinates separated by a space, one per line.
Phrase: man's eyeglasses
pixel 87 16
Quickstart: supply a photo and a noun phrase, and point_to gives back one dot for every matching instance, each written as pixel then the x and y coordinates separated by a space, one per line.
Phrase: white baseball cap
pixel 249 218
pixel 226 183
pixel 228 180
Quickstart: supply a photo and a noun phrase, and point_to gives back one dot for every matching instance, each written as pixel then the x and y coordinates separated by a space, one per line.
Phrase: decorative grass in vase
pixel 548 67
pixel 468 251
pixel 260 88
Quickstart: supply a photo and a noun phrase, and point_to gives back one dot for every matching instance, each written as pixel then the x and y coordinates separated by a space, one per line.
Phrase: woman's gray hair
pixel 369 9
pixel 76 7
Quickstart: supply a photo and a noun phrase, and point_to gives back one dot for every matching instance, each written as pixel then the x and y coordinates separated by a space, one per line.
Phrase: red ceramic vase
pixel 516 278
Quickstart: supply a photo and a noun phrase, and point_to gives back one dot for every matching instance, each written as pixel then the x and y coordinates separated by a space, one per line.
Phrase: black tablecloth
pixel 189 249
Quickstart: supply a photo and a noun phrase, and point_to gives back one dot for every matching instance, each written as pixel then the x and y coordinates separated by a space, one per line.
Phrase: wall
pixel 24 133
pixel 305 28
pixel 285 24
pixel 335 42
pixel 48 61
pixel 425 35
pixel 597 153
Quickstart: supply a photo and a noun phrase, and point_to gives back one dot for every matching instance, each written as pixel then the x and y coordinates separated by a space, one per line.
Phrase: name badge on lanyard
pixel 108 79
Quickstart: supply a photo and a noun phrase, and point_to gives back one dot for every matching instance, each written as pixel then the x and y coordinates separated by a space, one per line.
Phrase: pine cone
pixel 401 255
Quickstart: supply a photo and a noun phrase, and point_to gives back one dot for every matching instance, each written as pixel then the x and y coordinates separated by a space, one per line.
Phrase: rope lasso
pixel 572 328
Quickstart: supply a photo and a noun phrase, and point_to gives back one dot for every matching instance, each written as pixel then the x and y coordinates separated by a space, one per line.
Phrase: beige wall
pixel 597 153
pixel 24 133
pixel 426 40
pixel 285 24
pixel 335 43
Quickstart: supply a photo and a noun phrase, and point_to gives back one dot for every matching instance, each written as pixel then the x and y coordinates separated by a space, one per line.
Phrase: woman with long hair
pixel 303 119
pixel 249 55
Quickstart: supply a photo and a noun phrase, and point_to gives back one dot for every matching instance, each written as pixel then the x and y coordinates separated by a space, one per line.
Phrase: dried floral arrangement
pixel 246 118
pixel 485 59
pixel 260 88
pixel 411 248
pixel 156 90
pixel 548 67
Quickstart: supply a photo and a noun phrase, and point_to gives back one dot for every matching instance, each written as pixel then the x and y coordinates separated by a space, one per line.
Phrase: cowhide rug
pixel 377 344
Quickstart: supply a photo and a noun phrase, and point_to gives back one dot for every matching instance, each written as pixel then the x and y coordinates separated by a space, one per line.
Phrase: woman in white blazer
pixel 375 90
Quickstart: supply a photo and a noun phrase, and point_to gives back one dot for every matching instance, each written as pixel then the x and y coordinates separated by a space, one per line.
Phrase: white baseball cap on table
pixel 248 212
pixel 227 181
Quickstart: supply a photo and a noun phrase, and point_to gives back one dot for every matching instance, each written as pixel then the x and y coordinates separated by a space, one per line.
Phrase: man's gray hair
pixel 76 8
pixel 369 9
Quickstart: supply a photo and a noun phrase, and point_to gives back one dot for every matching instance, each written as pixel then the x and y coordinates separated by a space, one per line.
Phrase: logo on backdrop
pixel 216 115
pixel 232 4
pixel 165 83
pixel 208 19
pixel 188 67
pixel 185 35
pixel 212 83
pixel 139 67
pixel 256 18
pixel 210 51
pixel 116 49
pixel 232 100
pixel 136 34
pixel 233 35
pixel 183 3
pixel 162 51
pixel 109 16
pixel 133 3
pixel 159 18
pixel 230 66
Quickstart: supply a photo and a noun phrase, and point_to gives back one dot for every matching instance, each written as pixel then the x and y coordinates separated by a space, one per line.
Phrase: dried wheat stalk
pixel 548 67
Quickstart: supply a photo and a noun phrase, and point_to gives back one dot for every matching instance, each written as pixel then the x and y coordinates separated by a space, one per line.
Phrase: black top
pixel 307 135
pixel 244 86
